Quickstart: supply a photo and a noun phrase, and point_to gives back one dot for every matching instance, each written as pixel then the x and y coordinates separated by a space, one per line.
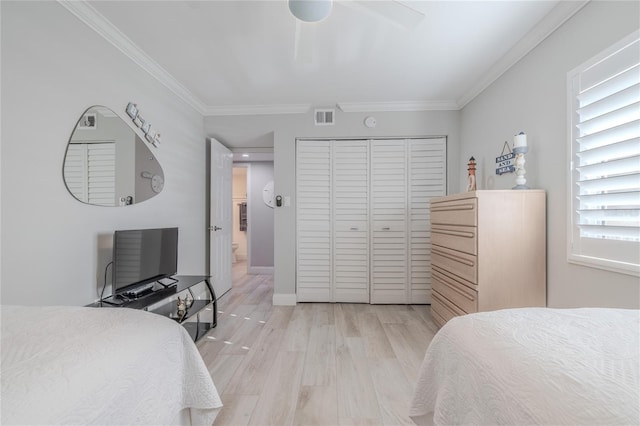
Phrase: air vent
pixel 325 117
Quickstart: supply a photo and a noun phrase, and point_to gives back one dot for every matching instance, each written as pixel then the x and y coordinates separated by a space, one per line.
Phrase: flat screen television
pixel 142 256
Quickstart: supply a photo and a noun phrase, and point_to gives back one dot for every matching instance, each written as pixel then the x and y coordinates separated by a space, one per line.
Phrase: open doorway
pixel 240 220
pixel 253 219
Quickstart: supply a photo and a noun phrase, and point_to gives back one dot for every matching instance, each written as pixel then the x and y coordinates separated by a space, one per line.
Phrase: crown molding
pixel 101 25
pixel 257 109
pixel 543 29
pixel 402 106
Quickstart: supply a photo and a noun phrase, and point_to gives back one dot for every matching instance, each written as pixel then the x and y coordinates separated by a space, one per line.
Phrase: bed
pixel 532 366
pixel 75 365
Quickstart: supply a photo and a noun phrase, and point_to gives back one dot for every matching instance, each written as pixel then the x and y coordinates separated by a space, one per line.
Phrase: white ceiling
pixel 226 56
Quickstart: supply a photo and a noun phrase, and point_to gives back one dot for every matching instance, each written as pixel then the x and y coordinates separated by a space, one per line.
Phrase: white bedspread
pixel 73 365
pixel 533 366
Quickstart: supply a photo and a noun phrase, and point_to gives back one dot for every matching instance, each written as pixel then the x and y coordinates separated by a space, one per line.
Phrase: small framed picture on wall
pixel 88 121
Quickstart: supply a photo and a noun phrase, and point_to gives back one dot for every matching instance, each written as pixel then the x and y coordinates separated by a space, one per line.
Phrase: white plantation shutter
pixel 604 96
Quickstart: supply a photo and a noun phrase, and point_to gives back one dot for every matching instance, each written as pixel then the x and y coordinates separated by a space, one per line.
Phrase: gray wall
pixel 254 131
pixel 531 97
pixel 54 247
pixel 261 224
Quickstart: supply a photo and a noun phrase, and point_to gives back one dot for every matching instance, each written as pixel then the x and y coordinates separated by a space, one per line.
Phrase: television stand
pixel 163 301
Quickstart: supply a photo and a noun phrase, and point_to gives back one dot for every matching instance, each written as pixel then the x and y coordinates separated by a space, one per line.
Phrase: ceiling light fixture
pixel 310 10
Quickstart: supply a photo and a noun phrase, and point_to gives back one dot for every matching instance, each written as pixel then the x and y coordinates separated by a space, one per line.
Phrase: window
pixel 604 120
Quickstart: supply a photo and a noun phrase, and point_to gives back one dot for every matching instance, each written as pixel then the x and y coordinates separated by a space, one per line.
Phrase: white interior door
pixel 221 217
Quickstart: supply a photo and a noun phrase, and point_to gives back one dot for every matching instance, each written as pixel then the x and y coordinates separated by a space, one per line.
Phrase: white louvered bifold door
pixel 427 179
pixel 389 221
pixel 351 221
pixel 313 201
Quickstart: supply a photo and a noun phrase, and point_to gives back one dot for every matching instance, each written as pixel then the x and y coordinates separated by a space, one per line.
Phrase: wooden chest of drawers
pixel 488 252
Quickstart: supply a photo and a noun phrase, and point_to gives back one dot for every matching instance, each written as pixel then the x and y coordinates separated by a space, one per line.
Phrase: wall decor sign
pixel 505 163
pixel 149 133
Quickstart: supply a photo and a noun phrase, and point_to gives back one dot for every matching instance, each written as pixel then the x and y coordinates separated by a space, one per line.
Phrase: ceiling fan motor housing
pixel 310 10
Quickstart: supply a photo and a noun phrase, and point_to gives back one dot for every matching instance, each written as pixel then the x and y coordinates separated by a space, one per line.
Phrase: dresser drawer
pixel 459 294
pixel 442 310
pixel 458 212
pixel 461 264
pixel 461 238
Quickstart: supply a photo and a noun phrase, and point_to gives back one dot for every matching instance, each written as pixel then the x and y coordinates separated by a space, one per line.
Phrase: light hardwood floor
pixel 314 363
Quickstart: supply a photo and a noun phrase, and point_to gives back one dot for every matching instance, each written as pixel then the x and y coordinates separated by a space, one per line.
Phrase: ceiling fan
pixel 310 12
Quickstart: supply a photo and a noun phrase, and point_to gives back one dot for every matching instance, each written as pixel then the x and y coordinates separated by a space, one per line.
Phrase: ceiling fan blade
pixel 304 45
pixel 397 12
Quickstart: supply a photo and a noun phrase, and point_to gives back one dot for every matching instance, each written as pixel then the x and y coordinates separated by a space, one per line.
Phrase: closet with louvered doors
pixel 363 232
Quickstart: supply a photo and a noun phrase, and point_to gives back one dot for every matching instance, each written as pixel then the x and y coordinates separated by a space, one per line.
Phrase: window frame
pixel 576 244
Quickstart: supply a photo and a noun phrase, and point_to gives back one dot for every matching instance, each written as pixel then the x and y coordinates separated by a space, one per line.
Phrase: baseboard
pixel 281 299
pixel 260 270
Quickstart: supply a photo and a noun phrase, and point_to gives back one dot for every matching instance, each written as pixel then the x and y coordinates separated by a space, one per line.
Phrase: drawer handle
pixel 455 233
pixel 454 288
pixel 386 228
pixel 453 208
pixel 353 228
pixel 453 257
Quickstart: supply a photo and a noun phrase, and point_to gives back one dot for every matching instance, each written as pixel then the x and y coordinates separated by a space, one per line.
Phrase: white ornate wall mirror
pixel 108 164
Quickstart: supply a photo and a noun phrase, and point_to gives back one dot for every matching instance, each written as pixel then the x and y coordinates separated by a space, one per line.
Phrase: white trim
pixel 606 264
pixel 284 299
pixel 256 109
pixel 398 106
pixel 551 22
pixel 573 255
pixel 101 25
pixel 260 270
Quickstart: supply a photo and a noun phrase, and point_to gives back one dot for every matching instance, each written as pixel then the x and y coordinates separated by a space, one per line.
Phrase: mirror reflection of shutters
pixel 89 172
